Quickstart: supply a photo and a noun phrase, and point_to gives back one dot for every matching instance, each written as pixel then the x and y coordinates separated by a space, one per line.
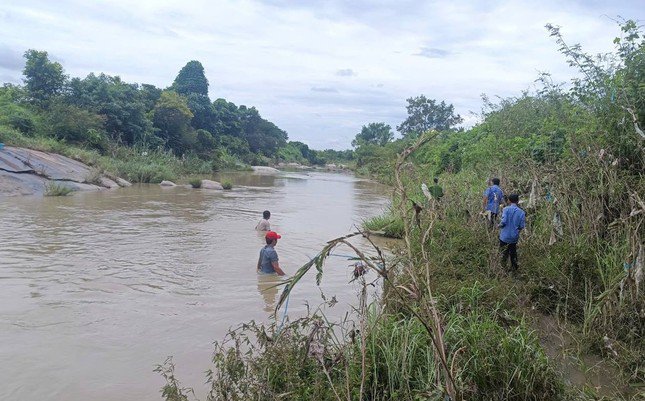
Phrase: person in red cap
pixel 268 261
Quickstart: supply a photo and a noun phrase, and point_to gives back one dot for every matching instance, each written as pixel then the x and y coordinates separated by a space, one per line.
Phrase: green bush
pixel 388 224
pixel 55 189
pixel 195 182
pixel 227 185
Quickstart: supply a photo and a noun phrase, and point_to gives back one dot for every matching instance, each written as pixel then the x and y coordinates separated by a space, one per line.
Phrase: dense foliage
pixel 101 113
pixel 454 322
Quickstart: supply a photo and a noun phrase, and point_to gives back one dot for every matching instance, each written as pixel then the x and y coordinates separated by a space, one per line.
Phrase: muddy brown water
pixel 98 288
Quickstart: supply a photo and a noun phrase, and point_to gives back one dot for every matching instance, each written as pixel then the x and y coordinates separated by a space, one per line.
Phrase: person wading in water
pixel 268 261
pixel 264 224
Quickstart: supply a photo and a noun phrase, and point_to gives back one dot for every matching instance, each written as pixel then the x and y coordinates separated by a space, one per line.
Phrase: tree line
pixel 100 111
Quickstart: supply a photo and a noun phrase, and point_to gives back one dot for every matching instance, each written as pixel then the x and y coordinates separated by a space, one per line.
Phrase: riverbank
pixel 452 320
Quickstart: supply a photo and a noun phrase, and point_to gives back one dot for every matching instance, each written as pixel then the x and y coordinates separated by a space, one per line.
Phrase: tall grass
pixel 388 224
pixel 56 189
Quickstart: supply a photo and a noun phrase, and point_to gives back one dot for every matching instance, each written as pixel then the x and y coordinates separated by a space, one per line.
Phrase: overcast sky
pixel 319 70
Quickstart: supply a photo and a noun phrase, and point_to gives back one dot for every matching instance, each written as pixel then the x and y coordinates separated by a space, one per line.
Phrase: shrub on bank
pixel 55 189
pixel 195 182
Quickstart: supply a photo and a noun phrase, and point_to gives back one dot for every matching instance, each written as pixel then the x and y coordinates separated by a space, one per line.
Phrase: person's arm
pixel 522 222
pixel 276 267
pixel 259 261
pixel 502 223
pixel 485 198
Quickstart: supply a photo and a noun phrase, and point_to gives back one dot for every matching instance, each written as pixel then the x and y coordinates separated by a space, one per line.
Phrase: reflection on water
pixel 267 287
pixel 97 288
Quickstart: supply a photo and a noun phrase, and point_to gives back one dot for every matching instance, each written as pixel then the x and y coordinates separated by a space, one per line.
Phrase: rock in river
pixel 165 183
pixel 29 172
pixel 208 184
pixel 264 170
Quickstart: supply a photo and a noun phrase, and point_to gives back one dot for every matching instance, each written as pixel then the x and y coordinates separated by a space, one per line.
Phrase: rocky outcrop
pixel 208 184
pixel 30 172
pixel 264 170
pixel 165 183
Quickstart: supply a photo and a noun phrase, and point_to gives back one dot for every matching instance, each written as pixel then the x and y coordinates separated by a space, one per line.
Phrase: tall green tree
pixel 44 79
pixel 374 133
pixel 191 80
pixel 123 105
pixel 263 136
pixel 226 119
pixel 203 113
pixel 171 118
pixel 426 114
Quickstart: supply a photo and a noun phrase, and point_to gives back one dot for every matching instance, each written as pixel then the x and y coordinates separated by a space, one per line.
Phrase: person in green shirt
pixel 436 191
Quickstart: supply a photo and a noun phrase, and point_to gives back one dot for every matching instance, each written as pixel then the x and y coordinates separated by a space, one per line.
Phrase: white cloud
pixel 291 61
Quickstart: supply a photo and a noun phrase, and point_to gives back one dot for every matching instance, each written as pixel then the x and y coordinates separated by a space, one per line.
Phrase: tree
pixel 203 113
pixel 263 136
pixel 191 80
pixel 426 114
pixel 123 105
pixel 44 79
pixel 226 120
pixel 171 117
pixel 374 133
pixel 150 94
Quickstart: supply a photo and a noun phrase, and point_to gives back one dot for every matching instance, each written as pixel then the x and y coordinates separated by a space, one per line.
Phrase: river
pixel 99 287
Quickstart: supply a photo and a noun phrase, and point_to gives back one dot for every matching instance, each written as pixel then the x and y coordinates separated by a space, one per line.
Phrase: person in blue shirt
pixel 268 261
pixel 493 197
pixel 513 221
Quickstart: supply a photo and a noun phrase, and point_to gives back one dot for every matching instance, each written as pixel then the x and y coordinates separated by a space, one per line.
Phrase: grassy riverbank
pixel 452 322
pixel 137 165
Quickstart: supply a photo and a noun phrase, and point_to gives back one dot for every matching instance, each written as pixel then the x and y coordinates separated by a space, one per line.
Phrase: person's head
pixel 266 214
pixel 272 237
pixel 436 180
pixel 495 181
pixel 513 198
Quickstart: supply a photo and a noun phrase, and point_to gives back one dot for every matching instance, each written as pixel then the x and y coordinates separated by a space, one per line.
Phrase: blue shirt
pixel 495 196
pixel 268 255
pixel 513 220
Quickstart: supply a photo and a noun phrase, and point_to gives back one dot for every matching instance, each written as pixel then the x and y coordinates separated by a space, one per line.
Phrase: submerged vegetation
pixel 452 323
pixel 55 189
pixel 227 185
pixel 195 182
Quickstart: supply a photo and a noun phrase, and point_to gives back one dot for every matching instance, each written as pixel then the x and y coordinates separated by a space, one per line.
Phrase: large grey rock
pixel 12 184
pixel 165 183
pixel 123 183
pixel 50 165
pixel 264 170
pixel 108 183
pixel 28 172
pixel 208 184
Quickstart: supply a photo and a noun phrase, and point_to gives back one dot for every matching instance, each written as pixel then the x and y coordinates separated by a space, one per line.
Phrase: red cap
pixel 273 235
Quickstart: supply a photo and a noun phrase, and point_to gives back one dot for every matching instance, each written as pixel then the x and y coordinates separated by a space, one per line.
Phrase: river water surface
pixel 98 288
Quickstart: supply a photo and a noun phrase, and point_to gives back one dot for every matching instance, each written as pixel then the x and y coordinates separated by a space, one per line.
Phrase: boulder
pixel 28 172
pixel 264 170
pixel 108 183
pixel 208 184
pixel 165 183
pixel 123 183
pixel 21 184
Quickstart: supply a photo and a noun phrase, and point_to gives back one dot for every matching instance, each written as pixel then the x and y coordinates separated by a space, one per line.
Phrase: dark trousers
pixel 508 250
pixel 493 221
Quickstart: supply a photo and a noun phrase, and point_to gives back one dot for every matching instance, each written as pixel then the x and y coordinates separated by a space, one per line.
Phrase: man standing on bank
pixel 513 221
pixel 268 261
pixel 493 197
